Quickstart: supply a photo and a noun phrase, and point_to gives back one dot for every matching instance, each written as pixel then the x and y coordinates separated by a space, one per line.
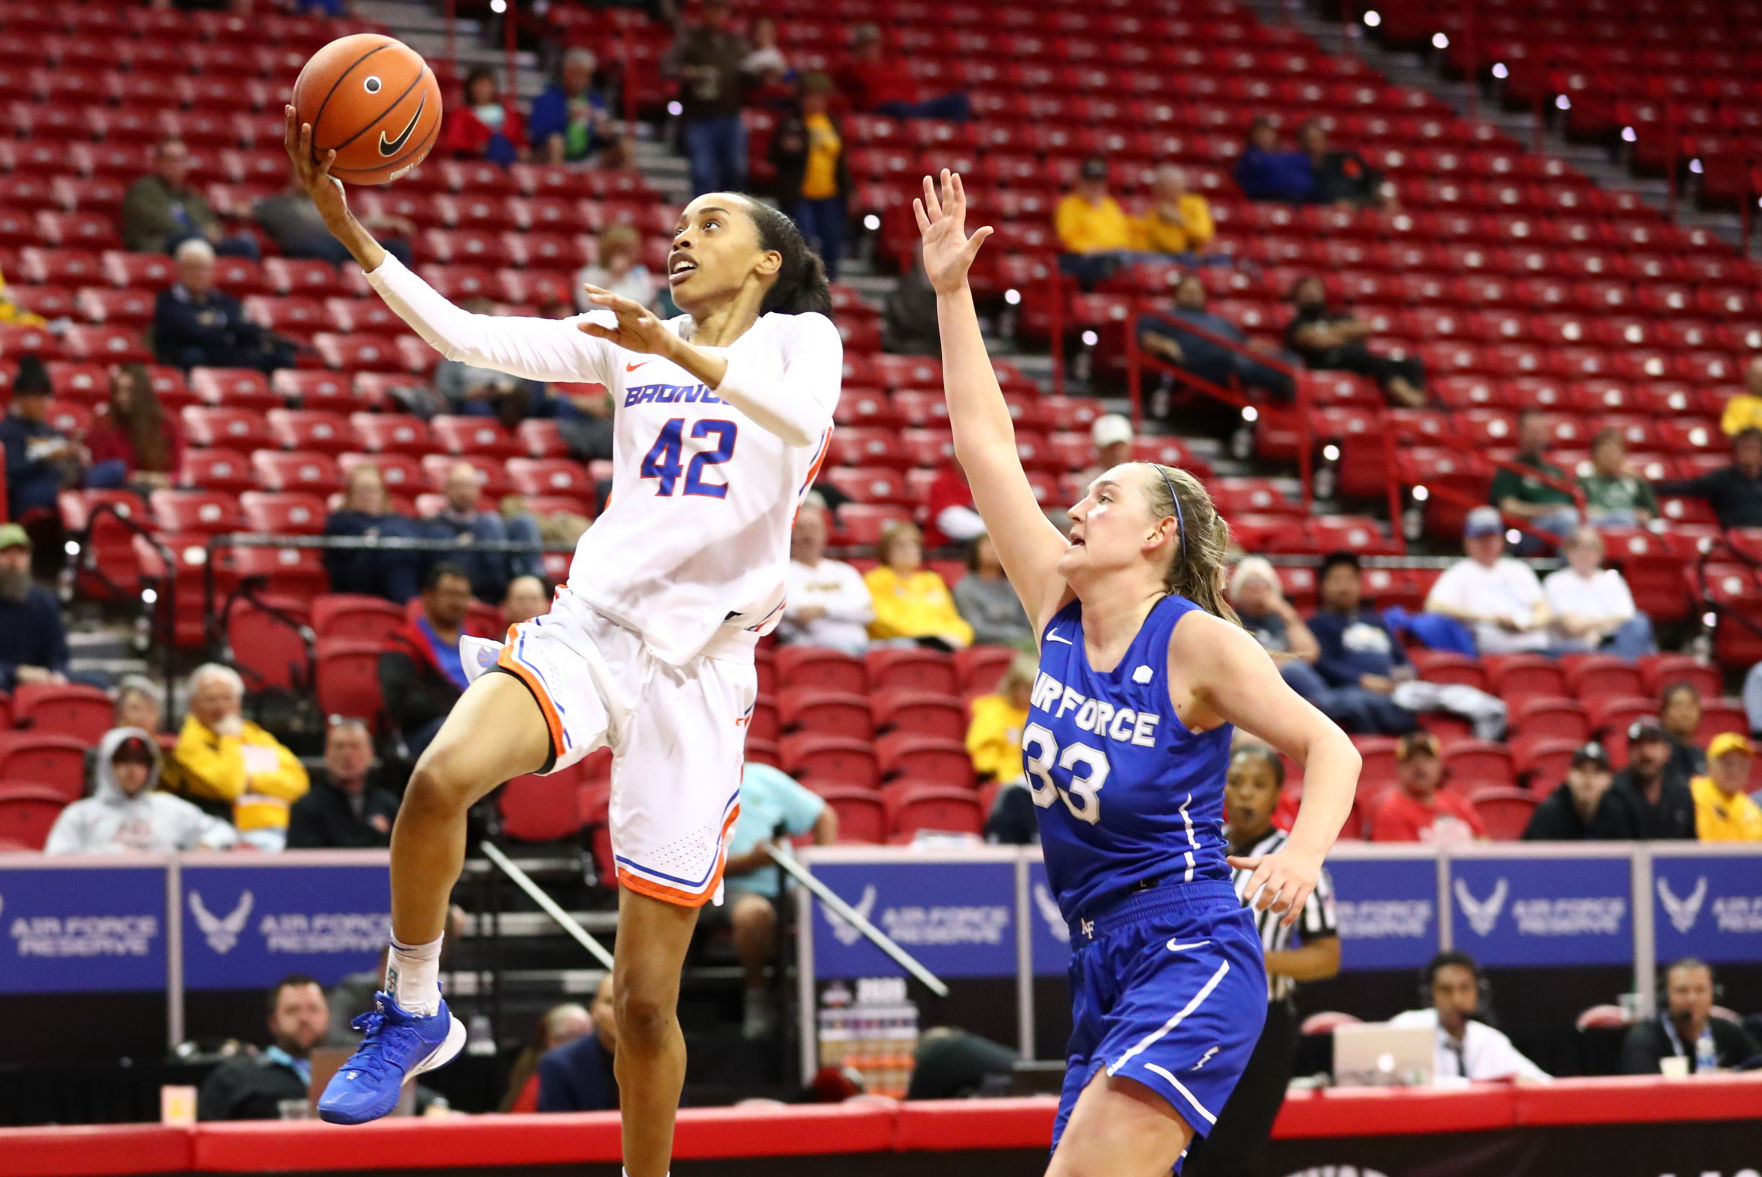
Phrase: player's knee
pixel 437 786
pixel 645 1018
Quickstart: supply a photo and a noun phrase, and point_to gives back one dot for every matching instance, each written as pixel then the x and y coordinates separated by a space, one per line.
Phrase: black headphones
pixel 1483 1009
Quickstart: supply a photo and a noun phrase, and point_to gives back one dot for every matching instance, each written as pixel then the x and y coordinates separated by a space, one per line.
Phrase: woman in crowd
pixel 912 603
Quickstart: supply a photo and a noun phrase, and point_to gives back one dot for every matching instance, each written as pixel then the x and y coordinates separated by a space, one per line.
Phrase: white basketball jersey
pixel 694 541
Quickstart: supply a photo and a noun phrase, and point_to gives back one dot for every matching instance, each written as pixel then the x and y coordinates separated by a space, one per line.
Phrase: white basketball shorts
pixel 677 734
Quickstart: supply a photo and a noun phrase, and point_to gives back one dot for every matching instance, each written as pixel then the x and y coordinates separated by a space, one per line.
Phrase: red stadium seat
pixel 1479 762
pixel 920 758
pixel 392 433
pixel 318 430
pixel 812 710
pixel 347 676
pixel 49 759
pixel 815 759
pixel 1524 676
pixel 917 807
pixel 28 812
pixel 552 477
pixel 917 670
pixel 266 644
pixel 240 429
pixel 496 482
pixel 1660 671
pixel 980 667
pixel 1504 812
pixel 1610 716
pixel 475 436
pixel 297 473
pixel 111 345
pixel 1721 715
pixel 1559 718
pixel 1603 677
pixel 298 572
pixel 1438 666
pixel 205 511
pixel 216 469
pixel 355 618
pixel 1543 760
pixel 541 438
pixel 934 717
pixel 80 712
pixel 823 669
pixel 862 814
pixel 863 523
pixel 542 808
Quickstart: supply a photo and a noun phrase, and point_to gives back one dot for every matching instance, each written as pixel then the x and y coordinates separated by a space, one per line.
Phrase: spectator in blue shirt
pixel 578 1076
pixel 1161 334
pixel 773 808
pixel 570 120
pixel 1360 657
pixel 1266 173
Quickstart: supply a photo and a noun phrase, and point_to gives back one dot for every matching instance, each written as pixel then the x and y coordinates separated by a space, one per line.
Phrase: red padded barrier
pixel 98 1151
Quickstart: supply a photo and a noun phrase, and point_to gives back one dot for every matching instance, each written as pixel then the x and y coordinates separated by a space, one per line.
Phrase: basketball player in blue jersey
pixel 1143 674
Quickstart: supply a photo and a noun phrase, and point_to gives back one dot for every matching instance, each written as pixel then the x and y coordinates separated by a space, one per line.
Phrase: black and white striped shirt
pixel 1317 919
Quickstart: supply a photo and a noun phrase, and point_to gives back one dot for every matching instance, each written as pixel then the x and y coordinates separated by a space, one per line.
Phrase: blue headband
pixel 1180 520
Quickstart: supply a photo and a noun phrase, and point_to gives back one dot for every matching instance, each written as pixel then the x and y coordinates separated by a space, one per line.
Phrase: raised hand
pixel 313 174
pixel 637 328
pixel 942 220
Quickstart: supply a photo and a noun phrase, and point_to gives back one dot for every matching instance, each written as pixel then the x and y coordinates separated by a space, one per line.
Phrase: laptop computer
pixel 1376 1054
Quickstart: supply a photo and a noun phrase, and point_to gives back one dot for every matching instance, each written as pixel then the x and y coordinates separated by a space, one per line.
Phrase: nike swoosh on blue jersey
pixel 1175 945
pixel 1053 637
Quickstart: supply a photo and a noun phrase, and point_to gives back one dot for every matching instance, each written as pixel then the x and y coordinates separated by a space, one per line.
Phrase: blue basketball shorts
pixel 1168 988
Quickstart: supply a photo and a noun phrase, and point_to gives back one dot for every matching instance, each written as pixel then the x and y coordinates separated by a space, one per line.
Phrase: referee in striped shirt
pixel 1233 1147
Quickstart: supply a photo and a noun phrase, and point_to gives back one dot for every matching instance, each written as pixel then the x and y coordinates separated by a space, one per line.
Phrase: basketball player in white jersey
pixel 723 416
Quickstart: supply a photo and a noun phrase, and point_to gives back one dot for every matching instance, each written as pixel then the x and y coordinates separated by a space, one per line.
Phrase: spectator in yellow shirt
pixel 911 601
pixel 220 757
pixel 994 737
pixel 1093 230
pixel 14 315
pixel 813 177
pixel 1744 411
pixel 1178 221
pixel 1723 810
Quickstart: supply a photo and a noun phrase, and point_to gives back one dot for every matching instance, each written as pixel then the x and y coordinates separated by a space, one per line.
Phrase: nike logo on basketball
pixel 1053 637
pixel 1175 945
pixel 633 367
pixel 391 148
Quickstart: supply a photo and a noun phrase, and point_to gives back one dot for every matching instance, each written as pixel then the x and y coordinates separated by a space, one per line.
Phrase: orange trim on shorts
pixel 674 895
pixel 553 720
pixel 825 450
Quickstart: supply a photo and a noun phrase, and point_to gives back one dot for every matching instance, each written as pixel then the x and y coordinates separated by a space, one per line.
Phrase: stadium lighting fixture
pixel 1440 41
pixel 1562 102
pixel 498 6
pixel 1250 414
pixel 1629 135
pixel 1695 166
pixel 1331 452
pixel 675 109
pixel 1708 619
pixel 149 596
pixel 72 548
pixel 1421 494
pixel 1512 535
pixel 871 222
pixel 1090 339
pixel 1499 70
pixel 1013 296
pixel 1372 18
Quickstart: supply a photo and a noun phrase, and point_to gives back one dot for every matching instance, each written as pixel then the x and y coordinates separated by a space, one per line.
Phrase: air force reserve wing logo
pixel 1482 916
pixel 843 930
pixel 1047 906
pixel 221 934
pixel 1683 912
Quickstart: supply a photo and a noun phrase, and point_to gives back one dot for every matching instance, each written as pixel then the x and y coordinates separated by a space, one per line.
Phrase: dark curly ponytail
pixel 801 286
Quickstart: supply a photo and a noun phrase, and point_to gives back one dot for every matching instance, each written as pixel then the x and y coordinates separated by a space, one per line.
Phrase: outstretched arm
pixel 1028 545
pixel 533 349
pixel 1230 676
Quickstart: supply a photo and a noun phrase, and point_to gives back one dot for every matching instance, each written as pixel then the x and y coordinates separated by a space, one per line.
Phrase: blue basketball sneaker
pixel 397 1046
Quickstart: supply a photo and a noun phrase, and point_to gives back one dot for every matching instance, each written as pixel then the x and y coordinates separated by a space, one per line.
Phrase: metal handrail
pixel 164 607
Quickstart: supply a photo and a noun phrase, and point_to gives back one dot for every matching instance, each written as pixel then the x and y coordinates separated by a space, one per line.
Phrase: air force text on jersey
pixel 1095 715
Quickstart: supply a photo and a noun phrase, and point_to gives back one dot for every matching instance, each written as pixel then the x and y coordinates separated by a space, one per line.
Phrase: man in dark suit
pixel 195 325
pixel 255 1085
pixel 1688 1028
pixel 344 809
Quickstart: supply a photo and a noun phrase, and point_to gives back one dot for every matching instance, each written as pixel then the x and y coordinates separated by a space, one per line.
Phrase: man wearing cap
pixel 1112 436
pixel 1498 598
pixel 126 814
pixel 1723 811
pixel 33 643
pixel 1092 228
pixel 1585 808
pixel 1418 811
pixel 1660 798
pixel 40 459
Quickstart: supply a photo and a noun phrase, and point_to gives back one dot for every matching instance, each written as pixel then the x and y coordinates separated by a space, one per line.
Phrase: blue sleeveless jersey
pixel 1125 794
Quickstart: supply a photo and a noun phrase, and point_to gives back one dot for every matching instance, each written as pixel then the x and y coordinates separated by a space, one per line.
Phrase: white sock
pixel 412 976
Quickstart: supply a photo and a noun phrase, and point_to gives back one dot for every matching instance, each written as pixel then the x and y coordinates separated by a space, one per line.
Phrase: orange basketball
pixel 375 101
